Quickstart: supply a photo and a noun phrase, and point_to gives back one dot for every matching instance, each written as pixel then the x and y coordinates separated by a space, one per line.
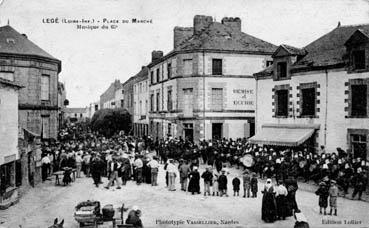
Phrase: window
pixel 7 176
pixel 169 100
pixel 152 77
pixel 359 145
pixel 169 70
pixel 269 63
pixel 281 70
pixel 169 129
pixel 96 107
pixel 75 114
pixel 152 102
pixel 157 75
pixel 359 100
pixel 46 127
pixel 358 58
pixel 45 87
pixel 140 108
pixel 308 102
pixel 217 67
pixel 7 75
pixel 282 102
pixel 131 98
pixel 158 101
pixel 80 115
pixel 217 98
pixel 121 103
pixel 187 66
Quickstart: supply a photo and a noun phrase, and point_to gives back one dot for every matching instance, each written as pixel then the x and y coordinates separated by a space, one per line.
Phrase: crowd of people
pixel 124 158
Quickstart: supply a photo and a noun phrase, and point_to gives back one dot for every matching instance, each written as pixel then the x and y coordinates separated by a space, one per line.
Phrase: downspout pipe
pixel 326 107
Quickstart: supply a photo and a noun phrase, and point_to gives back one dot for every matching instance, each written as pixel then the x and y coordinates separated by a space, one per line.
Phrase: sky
pixel 92 59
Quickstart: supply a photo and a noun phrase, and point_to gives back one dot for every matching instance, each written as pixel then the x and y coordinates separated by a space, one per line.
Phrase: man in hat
pixel 184 171
pixel 246 183
pixel 194 184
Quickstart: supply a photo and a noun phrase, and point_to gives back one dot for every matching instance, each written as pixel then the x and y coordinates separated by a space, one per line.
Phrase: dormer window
pixel 282 70
pixel 358 59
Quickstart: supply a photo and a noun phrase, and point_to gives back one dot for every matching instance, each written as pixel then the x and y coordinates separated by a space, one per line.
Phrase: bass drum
pixel 248 160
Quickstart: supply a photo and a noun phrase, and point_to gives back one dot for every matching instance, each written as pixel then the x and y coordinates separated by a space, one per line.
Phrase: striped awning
pixel 283 135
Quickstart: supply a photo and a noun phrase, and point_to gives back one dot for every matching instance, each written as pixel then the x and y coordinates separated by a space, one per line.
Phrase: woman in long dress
pixel 268 208
pixel 281 193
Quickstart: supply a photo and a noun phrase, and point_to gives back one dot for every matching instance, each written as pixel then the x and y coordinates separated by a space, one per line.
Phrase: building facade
pixel 113 96
pixel 141 103
pixel 38 72
pixel 92 108
pixel 62 103
pixel 318 95
pixel 73 115
pixel 9 157
pixel 204 88
pixel 129 98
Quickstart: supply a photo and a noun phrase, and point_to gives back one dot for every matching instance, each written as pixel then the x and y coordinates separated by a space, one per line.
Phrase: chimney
pixel 155 55
pixel 181 34
pixel 234 23
pixel 200 22
pixel 143 67
pixel 25 35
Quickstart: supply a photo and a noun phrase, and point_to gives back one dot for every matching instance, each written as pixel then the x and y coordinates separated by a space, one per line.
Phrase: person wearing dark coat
pixel 291 185
pixel 222 180
pixel 194 184
pixel 323 193
pixel 254 185
pixel 268 206
pixel 236 186
pixel 134 219
pixel 96 168
pixel 208 178
pixel 125 169
pixel 301 221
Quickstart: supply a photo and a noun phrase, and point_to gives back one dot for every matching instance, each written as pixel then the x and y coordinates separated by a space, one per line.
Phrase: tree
pixel 110 121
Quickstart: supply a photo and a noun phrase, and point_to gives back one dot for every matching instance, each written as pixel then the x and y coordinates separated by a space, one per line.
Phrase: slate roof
pixel 75 110
pixel 13 42
pixel 328 50
pixel 10 83
pixel 218 36
pixel 294 50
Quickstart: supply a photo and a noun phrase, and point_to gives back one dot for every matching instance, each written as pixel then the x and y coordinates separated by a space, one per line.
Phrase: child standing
pixel 333 194
pixel 323 193
pixel 222 180
pixel 215 184
pixel 207 176
pixel 254 185
pixel 236 186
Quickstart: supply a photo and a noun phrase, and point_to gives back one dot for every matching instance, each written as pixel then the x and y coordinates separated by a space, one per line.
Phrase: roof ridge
pixel 353 25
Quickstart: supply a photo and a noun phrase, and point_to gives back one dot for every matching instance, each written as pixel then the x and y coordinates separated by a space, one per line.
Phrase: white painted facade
pixel 332 117
pixel 8 124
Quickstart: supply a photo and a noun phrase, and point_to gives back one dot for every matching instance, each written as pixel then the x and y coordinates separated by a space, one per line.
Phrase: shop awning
pixel 283 135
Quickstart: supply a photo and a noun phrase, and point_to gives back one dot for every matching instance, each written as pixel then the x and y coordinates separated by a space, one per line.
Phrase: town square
pixel 117 113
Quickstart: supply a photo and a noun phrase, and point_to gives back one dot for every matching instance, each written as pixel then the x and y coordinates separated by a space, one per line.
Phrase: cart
pixel 88 215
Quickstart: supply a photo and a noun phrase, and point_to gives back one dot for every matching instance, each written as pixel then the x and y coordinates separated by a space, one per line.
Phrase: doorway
pixel 188 131
pixel 217 129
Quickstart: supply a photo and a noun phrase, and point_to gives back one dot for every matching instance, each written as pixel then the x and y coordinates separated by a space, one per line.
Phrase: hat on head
pixel 333 181
pixel 269 180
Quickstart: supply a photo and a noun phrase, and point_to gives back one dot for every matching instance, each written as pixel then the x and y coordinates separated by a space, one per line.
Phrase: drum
pixel 247 160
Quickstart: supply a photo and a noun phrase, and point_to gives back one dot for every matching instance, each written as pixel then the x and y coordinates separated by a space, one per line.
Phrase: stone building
pixel 9 157
pixel 317 95
pixel 38 72
pixel 204 88
pixel 113 96
pixel 129 98
pixel 141 103
pixel 62 103
pixel 92 108
pixel 73 115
